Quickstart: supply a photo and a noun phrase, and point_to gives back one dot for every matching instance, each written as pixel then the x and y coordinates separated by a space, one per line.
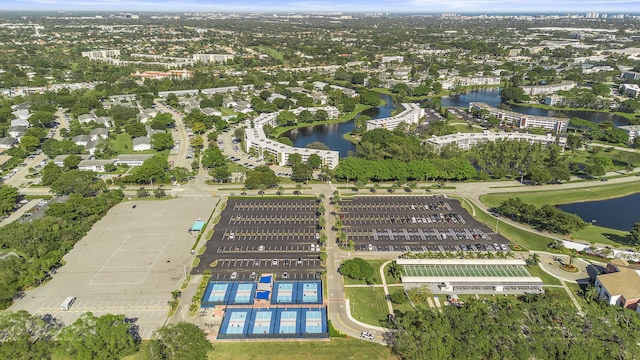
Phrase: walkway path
pixel 570 293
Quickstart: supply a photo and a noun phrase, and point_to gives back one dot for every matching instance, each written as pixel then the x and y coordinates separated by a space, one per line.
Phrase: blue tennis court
pixel 310 293
pixel 313 322
pixel 288 322
pixel 243 293
pixel 262 322
pixel 218 291
pixel 234 323
pixel 285 293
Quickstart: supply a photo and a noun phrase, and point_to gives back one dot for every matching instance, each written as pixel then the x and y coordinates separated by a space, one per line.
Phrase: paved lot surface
pixel 414 223
pixel 128 264
pixel 257 236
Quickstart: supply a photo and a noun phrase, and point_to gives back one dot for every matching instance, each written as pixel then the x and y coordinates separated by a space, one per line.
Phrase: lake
pixel 331 134
pixel 620 213
pixel 492 97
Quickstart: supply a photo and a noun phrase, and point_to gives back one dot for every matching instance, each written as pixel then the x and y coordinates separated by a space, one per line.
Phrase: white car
pixel 366 335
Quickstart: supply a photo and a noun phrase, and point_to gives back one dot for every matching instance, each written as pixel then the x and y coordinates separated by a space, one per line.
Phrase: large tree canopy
pixel 179 341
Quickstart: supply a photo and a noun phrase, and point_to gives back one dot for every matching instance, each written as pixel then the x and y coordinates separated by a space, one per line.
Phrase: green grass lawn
pixel 227 111
pixel 463 128
pixel 368 304
pixel 601 235
pixel 546 278
pixel 566 196
pixel 334 349
pixel 375 264
pixel 122 144
pixel 401 307
pixel 526 239
pixel 271 52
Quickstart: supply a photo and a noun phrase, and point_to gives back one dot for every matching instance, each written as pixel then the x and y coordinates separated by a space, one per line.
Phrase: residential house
pixel 95 165
pixel 86 118
pixel 20 122
pixel 142 143
pixel 92 145
pixel 7 142
pixel 59 160
pixel 147 114
pixel 16 132
pixel 243 107
pixel 132 159
pixel 99 133
pixel 211 111
pixel 81 140
pixel 105 121
pixel 620 284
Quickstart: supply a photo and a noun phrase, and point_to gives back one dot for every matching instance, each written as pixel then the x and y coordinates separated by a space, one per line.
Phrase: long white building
pixel 212 58
pixel 411 115
pixel 521 120
pixel 466 141
pixel 256 139
pixel 99 54
pixel 548 89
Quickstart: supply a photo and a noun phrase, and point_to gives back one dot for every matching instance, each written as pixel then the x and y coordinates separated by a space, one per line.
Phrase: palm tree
pixel 573 253
pixel 533 260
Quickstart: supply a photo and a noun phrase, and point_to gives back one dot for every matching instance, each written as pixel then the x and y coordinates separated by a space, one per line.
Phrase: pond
pixel 620 213
pixel 331 134
pixel 492 97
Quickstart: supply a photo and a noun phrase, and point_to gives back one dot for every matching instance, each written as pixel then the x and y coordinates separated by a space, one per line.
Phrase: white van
pixel 66 304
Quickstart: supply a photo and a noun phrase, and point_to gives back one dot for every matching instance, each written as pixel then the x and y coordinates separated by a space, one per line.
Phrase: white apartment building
pixel 470 81
pixel 411 115
pixel 548 89
pixel 212 58
pixel 630 90
pixel 256 139
pixel 100 54
pixel 388 59
pixel 633 130
pixel 466 141
pixel 522 120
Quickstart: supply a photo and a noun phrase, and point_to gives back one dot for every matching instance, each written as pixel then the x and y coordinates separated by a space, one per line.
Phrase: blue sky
pixel 402 6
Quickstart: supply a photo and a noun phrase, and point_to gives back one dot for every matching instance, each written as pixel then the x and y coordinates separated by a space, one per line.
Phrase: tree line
pixel 529 327
pixel 547 217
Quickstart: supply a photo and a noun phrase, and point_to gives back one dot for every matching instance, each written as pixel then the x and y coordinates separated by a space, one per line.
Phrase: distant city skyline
pixel 391 6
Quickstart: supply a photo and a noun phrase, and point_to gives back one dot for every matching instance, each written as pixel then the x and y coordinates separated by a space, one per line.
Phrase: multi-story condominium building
pixel 99 54
pixel 212 58
pixel 466 141
pixel 630 90
pixel 633 130
pixel 548 89
pixel 388 59
pixel 631 75
pixel 411 115
pixel 520 120
pixel 256 139
pixel 470 81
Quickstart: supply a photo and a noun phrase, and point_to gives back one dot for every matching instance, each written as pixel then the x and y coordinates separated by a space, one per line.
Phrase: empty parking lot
pixel 415 223
pixel 269 235
pixel 128 264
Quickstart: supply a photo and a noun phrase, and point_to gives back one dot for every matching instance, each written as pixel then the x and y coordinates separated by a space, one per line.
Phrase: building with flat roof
pixel 256 139
pixel 548 89
pixel 466 141
pixel 132 159
pixel 520 120
pixel 469 276
pixel 633 130
pixel 212 58
pixel 99 54
pixel 630 90
pixel 411 115
pixel 620 284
